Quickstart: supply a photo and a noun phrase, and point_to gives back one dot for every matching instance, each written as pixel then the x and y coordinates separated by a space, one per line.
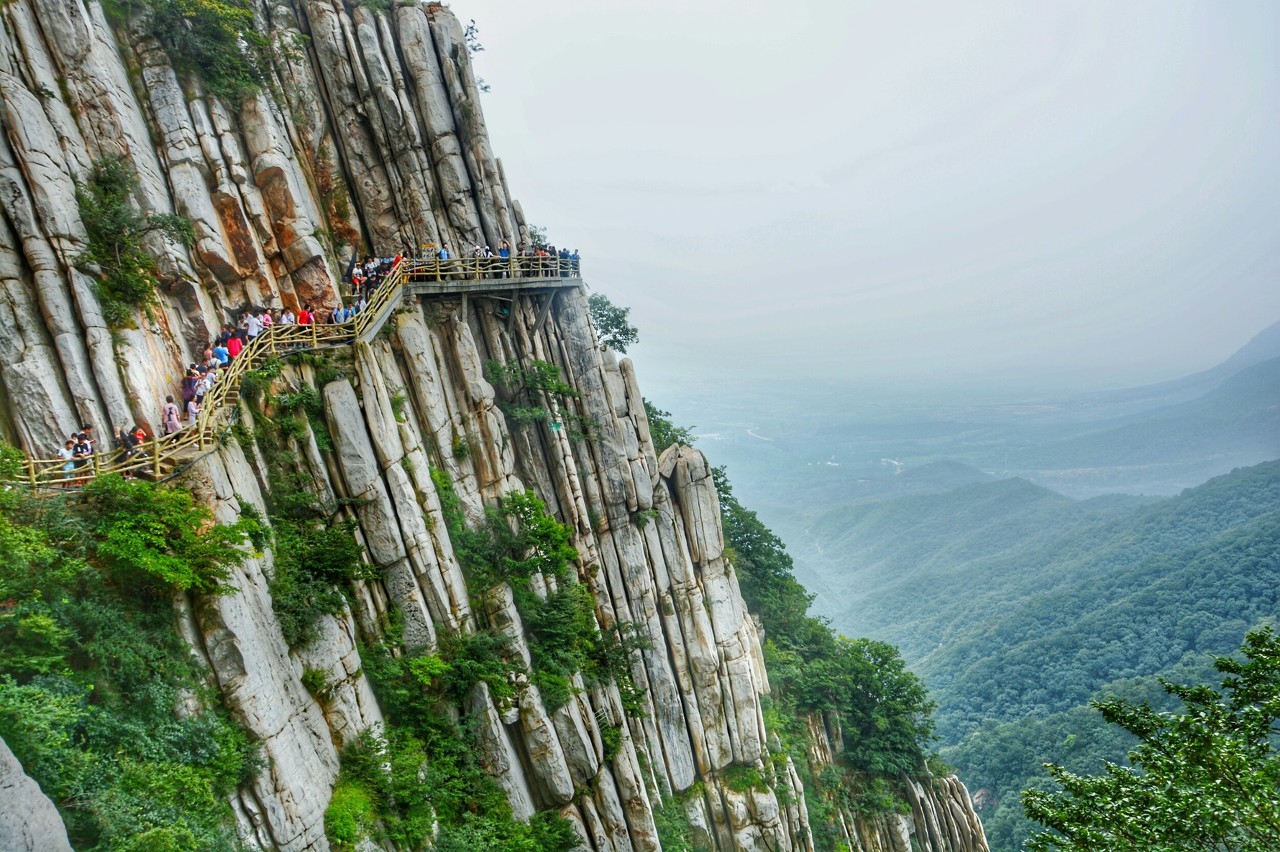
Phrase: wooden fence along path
pixel 163 456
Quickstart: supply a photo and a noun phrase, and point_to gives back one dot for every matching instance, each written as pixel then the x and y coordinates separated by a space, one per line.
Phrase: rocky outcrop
pixel 941 815
pixel 370 134
pixel 29 822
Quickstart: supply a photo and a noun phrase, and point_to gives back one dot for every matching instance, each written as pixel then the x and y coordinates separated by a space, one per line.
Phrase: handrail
pixel 149 457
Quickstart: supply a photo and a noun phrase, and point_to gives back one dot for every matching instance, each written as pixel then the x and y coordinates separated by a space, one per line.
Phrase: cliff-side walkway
pixel 163 456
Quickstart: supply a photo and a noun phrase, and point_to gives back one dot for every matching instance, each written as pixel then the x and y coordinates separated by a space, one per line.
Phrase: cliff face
pixel 370 130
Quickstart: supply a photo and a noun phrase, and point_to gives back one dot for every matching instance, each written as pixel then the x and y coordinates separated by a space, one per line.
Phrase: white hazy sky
pixel 1052 194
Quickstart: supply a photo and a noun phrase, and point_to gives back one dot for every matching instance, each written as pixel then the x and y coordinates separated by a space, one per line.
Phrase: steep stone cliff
pixel 369 130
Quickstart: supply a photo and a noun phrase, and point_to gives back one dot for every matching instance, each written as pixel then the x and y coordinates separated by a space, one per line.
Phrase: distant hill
pixel 1165 449
pixel 1130 598
pixel 1018 605
pixel 940 476
pixel 1240 416
pixel 1263 346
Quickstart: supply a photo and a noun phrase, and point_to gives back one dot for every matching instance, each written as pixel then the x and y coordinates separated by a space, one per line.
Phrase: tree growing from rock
pixel 611 323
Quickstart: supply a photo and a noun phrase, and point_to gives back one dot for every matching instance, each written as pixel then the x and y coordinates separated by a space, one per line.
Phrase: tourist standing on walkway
pixel 169 416
pixel 68 452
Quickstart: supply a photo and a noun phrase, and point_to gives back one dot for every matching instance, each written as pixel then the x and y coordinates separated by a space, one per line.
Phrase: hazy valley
pixel 1027 557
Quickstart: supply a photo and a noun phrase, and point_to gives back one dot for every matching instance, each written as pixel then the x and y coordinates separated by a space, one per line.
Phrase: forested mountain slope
pixel 1053 652
pixel 1095 607
pixel 927 571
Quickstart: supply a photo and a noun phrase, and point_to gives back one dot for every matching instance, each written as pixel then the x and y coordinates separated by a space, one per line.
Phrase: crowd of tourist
pixel 364 279
pixel 530 259
pixel 77 452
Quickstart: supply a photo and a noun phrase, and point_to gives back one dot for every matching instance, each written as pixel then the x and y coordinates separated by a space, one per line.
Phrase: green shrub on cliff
pixel 422 771
pixel 213 40
pixel 116 232
pixel 91 668
pixel 520 539
pixel 611 323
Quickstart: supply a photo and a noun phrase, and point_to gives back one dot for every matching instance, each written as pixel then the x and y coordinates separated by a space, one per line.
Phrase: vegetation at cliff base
pixel 1203 777
pixel 92 672
pixel 116 232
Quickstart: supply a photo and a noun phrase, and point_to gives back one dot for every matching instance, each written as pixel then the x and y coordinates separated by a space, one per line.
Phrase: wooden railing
pixel 160 457
pixel 481 268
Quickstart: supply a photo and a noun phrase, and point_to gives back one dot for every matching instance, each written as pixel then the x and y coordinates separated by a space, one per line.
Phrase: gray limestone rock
pixel 29 822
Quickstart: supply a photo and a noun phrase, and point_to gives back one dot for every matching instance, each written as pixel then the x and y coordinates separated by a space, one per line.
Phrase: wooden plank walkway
pixel 162 457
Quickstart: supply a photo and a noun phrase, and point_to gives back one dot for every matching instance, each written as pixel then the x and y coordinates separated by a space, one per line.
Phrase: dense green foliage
pixel 312 562
pixel 1054 653
pixel 612 325
pixel 423 766
pixel 115 231
pixel 1206 776
pixel 999 759
pixel 91 668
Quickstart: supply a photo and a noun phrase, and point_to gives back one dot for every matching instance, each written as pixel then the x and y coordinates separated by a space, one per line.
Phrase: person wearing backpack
pixel 189 383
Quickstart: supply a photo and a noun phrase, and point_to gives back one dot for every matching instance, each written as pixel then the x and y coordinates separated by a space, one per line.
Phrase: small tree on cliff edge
pixel 611 323
pixel 1209 779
